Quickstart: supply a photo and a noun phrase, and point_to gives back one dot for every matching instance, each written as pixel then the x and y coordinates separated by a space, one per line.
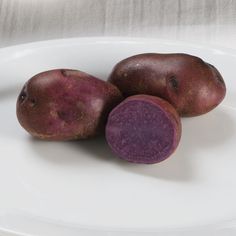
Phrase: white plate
pixel 80 188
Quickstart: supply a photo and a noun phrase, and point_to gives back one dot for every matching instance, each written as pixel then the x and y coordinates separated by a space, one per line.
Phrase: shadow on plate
pixel 200 134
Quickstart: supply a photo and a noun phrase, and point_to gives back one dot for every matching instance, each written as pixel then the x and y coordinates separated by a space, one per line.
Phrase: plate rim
pixel 105 39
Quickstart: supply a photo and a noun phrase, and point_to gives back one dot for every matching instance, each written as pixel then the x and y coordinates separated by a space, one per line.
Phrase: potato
pixel 191 85
pixel 143 129
pixel 65 104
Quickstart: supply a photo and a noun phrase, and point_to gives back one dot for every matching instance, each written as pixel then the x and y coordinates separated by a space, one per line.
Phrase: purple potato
pixel 191 85
pixel 65 104
pixel 143 129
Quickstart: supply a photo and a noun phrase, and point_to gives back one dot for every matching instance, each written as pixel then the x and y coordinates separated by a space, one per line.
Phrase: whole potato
pixel 191 85
pixel 143 129
pixel 65 104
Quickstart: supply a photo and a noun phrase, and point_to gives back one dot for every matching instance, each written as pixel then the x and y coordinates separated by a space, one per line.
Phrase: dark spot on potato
pixel 69 116
pixel 32 102
pixel 62 115
pixel 69 72
pixel 173 82
pixel 218 77
pixel 22 96
pixel 210 65
pixel 63 72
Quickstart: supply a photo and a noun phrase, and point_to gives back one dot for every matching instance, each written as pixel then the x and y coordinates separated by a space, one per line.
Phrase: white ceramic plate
pixel 80 188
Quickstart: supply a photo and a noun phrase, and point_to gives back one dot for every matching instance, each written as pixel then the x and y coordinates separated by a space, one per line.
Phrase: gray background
pixel 211 21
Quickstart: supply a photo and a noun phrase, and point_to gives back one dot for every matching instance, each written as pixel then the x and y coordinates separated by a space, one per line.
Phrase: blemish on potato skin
pixel 217 74
pixel 220 79
pixel 70 72
pixel 67 72
pixel 22 96
pixel 173 82
pixel 63 72
pixel 63 116
pixel 32 102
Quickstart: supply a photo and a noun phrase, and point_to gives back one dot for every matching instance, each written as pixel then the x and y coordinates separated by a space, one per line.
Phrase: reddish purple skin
pixel 143 129
pixel 65 104
pixel 191 85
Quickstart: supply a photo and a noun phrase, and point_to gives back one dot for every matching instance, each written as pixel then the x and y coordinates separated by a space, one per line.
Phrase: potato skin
pixel 65 104
pixel 191 85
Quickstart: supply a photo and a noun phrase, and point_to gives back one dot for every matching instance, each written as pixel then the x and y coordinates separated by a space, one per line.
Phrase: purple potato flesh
pixel 143 129
pixel 65 104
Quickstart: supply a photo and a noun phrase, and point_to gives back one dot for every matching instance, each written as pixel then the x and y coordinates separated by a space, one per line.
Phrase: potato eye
pixel 173 82
pixel 63 72
pixel 32 102
pixel 22 96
